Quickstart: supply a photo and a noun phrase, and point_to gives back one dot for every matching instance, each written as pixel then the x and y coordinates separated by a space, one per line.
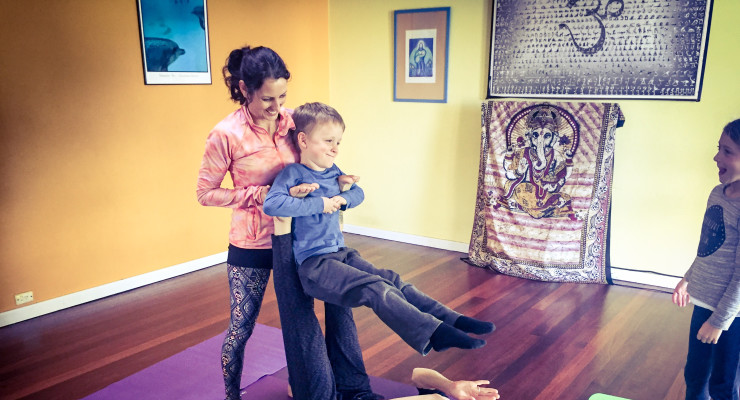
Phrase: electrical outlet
pixel 23 298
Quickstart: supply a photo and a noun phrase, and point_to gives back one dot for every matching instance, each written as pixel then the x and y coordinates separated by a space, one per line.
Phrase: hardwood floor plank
pixel 553 340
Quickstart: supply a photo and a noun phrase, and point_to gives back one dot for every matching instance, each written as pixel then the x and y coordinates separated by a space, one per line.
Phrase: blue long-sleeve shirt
pixel 314 232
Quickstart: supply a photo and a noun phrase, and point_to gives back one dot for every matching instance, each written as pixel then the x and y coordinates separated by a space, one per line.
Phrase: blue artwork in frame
pixel 421 58
pixel 174 42
pixel 420 54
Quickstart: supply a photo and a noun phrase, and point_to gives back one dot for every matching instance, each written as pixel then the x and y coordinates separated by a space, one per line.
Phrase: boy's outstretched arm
pixel 283 224
pixel 280 203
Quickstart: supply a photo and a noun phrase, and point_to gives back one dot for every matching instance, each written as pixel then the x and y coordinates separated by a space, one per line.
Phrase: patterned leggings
pixel 247 288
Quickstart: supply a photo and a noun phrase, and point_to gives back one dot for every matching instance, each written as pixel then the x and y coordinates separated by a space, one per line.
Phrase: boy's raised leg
pixel 446 336
pixel 472 325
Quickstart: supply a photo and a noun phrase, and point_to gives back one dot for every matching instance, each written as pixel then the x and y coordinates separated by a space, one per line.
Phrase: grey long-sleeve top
pixel 714 277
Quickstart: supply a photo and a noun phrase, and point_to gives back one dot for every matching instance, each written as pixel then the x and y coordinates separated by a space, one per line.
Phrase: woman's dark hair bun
pixel 253 66
pixel 231 73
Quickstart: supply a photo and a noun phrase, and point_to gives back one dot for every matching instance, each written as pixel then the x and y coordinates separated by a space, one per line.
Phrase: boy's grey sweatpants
pixel 344 278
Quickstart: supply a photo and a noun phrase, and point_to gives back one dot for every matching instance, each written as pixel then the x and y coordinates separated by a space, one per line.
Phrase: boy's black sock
pixel 472 325
pixel 446 336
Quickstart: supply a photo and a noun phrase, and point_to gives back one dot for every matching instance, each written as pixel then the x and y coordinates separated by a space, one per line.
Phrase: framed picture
pixel 616 49
pixel 174 42
pixel 420 54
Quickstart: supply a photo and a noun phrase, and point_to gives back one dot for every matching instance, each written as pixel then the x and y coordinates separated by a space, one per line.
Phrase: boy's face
pixel 320 147
pixel 728 160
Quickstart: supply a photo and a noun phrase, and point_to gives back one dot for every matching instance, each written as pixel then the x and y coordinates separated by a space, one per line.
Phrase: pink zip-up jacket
pixel 245 150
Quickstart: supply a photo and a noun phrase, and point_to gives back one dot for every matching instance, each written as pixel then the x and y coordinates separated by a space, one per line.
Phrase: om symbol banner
pixel 598 49
pixel 544 190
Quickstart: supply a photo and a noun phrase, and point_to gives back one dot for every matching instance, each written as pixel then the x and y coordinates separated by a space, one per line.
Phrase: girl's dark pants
pixel 712 369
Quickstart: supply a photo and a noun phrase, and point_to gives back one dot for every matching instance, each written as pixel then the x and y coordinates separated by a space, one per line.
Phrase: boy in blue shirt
pixel 331 272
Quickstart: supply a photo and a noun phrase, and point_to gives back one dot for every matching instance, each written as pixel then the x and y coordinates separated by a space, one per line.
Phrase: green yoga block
pixel 601 396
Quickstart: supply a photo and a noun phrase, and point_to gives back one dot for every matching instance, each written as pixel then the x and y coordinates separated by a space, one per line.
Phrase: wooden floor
pixel 553 341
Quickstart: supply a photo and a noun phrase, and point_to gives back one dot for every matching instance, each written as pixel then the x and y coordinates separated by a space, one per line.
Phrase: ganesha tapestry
pixel 544 190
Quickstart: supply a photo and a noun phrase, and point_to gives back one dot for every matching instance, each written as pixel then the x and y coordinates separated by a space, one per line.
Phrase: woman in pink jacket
pixel 253 145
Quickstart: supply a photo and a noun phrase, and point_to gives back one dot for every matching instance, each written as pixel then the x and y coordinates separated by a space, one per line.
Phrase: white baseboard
pixel 406 238
pixel 84 296
pixel 646 278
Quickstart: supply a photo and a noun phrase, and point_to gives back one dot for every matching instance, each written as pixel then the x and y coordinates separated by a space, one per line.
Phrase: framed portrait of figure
pixel 420 54
pixel 174 42
pixel 599 49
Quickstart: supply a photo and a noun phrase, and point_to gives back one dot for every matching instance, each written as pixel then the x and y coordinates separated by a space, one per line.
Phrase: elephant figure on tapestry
pixel 537 168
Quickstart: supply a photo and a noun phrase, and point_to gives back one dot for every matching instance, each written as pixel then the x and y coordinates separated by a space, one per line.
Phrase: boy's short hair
pixel 308 115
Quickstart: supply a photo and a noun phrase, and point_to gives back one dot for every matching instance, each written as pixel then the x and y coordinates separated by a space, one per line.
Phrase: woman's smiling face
pixel 265 103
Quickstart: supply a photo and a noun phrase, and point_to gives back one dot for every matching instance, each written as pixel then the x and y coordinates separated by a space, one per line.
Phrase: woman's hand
pixel 472 390
pixel 708 334
pixel 303 189
pixel 680 294
pixel 461 390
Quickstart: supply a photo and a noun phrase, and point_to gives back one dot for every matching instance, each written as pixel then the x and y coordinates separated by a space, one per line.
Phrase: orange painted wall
pixel 98 170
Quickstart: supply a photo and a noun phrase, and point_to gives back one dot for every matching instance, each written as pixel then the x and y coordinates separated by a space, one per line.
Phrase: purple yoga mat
pixel 195 373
